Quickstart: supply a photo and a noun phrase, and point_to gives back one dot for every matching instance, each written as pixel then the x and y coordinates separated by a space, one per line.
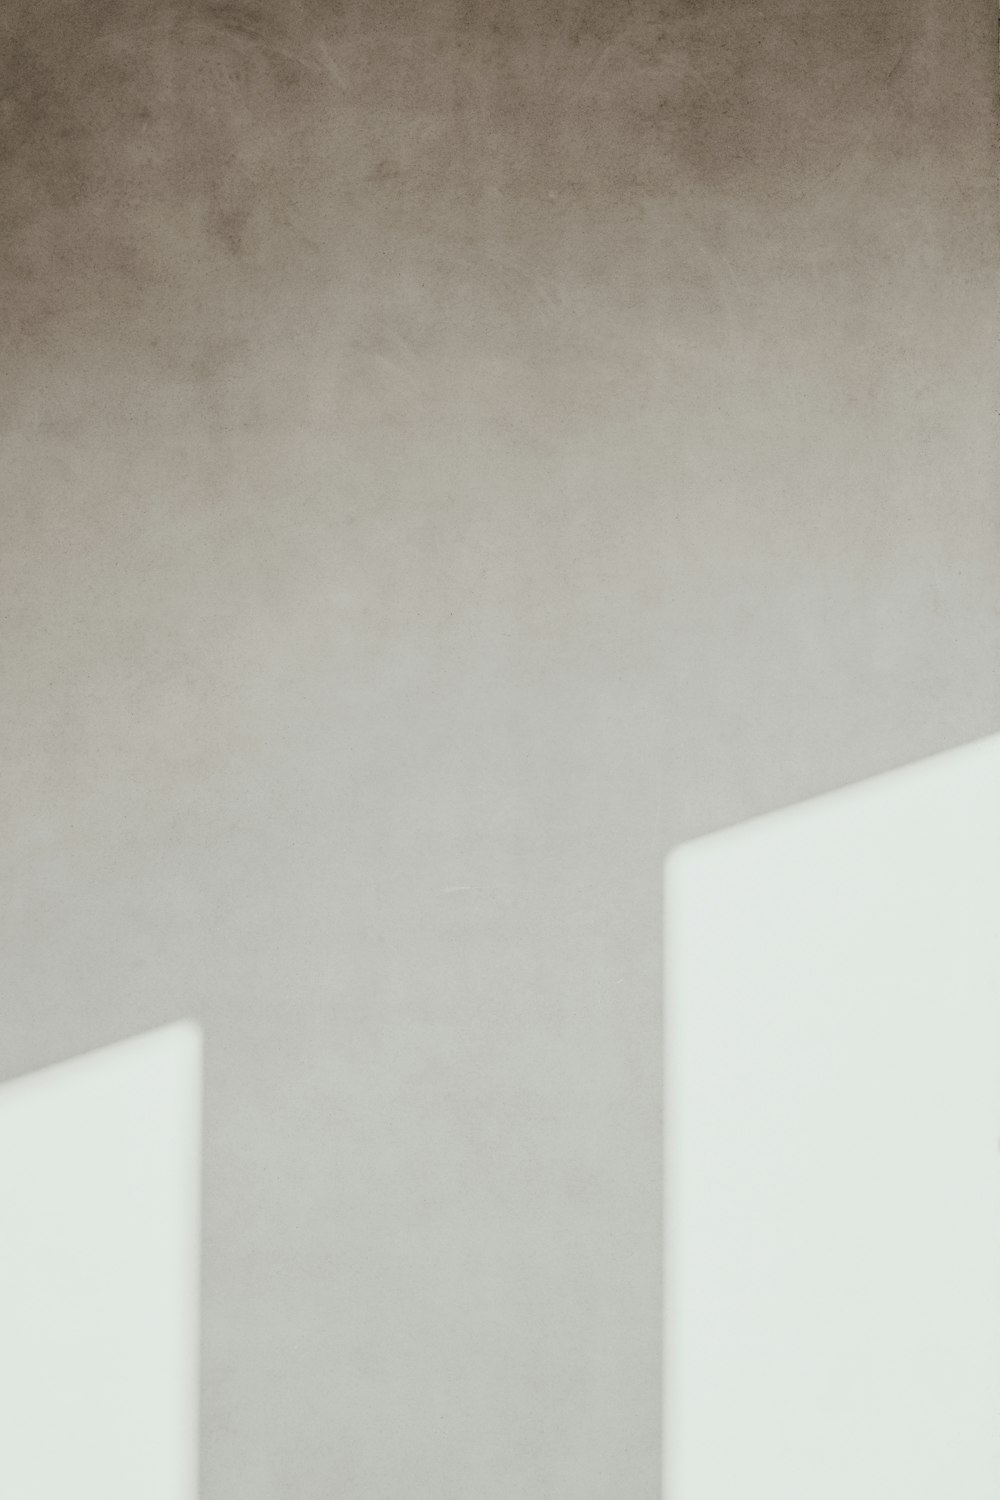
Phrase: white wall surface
pixel 832 1221
pixel 452 451
pixel 99 1268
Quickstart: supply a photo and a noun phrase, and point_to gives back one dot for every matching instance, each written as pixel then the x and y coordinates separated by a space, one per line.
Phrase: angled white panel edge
pixel 832 1110
pixel 99 1271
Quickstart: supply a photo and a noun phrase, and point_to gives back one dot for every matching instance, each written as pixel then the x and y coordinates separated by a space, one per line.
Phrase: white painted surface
pixel 99 1171
pixel 833 1168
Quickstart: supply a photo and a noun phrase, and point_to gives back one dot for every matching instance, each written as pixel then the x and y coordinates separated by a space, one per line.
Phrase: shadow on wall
pixel 99 1224
pixel 832 1220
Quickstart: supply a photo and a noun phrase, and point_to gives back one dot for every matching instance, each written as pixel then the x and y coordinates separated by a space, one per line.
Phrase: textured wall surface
pixel 450 454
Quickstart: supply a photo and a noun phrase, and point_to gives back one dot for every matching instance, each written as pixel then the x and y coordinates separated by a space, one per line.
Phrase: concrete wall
pixel 450 454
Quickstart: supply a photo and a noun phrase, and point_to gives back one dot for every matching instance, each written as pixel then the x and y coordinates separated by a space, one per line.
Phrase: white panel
pixel 99 1169
pixel 832 1221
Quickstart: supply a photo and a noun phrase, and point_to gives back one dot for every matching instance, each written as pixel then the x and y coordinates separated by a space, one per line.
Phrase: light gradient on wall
pixel 451 454
pixel 99 1172
pixel 833 1178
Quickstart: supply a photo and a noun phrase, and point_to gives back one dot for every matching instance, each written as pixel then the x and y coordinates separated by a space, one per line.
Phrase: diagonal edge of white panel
pixel 832 1147
pixel 99 1274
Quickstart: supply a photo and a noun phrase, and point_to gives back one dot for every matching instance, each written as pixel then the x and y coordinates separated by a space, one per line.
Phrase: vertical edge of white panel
pixel 832 1145
pixel 100 1224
